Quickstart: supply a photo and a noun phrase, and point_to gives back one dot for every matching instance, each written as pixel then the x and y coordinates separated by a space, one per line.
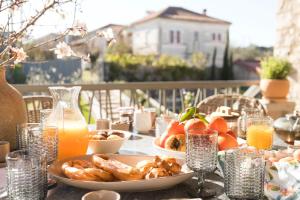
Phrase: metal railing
pixel 103 99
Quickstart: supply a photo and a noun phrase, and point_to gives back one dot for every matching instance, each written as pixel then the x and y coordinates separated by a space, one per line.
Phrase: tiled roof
pixel 178 13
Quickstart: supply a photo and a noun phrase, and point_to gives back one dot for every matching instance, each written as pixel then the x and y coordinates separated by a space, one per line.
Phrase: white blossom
pixel 19 54
pixel 63 50
pixel 79 29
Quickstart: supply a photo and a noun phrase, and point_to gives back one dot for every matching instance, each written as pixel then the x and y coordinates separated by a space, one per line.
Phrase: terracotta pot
pixel 12 111
pixel 274 89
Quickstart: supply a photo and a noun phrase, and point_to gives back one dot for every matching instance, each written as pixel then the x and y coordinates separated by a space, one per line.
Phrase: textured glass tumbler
pixel 50 136
pixel 244 173
pixel 23 139
pixel 26 176
pixel 201 155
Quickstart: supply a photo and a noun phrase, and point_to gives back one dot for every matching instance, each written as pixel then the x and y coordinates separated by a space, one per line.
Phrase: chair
pixel 33 106
pixel 235 101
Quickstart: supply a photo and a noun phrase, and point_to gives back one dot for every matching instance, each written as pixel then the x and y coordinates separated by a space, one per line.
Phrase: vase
pixel 274 89
pixel 12 111
pixel 72 127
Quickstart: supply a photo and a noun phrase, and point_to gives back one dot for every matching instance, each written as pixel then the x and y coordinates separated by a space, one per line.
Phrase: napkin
pixel 283 180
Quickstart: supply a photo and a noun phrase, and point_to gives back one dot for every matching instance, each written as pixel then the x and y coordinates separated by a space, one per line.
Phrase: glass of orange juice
pixel 260 132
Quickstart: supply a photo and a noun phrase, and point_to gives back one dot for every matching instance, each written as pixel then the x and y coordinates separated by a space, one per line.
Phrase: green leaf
pixel 188 114
pixel 201 117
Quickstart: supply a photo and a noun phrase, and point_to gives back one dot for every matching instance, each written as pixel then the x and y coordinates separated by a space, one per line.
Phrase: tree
pixel 213 65
pixel 231 74
pixel 227 69
pixel 251 52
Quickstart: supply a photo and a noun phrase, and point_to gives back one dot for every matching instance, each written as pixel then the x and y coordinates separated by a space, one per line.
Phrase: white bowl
pixel 102 195
pixel 107 146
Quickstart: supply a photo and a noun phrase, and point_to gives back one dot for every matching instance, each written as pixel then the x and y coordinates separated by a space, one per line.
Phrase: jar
pixel 126 116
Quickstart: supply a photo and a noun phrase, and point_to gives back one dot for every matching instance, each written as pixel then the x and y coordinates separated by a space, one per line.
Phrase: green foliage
pixel 129 67
pixel 227 73
pixel 251 52
pixel 274 68
pixel 198 60
pixel 16 75
pixel 120 47
pixel 189 98
pixel 213 66
pixel 39 54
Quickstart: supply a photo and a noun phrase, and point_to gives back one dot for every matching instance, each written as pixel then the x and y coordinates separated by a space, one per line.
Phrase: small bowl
pixel 107 146
pixel 101 195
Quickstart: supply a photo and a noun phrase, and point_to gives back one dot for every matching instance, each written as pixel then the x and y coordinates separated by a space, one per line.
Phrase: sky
pixel 253 21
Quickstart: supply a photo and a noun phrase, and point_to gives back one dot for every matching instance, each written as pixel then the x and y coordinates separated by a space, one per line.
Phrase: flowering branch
pixel 8 54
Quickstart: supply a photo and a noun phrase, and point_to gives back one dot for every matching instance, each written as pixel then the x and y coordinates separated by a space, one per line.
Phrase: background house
pixel 180 32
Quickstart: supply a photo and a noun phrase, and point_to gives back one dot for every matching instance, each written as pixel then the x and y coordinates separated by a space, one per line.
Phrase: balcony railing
pixel 103 99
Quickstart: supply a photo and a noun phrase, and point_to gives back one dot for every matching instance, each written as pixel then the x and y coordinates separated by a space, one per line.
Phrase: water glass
pixel 201 155
pixel 26 176
pixel 160 126
pixel 23 140
pixel 244 173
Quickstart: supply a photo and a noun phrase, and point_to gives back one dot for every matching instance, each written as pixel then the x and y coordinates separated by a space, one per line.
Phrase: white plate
pixel 122 186
pixel 167 152
pixel 178 154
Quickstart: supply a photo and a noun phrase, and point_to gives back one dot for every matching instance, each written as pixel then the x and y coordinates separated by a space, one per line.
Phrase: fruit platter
pixel 172 141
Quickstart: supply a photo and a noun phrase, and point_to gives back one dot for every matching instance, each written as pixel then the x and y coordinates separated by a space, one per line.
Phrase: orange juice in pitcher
pixel 72 127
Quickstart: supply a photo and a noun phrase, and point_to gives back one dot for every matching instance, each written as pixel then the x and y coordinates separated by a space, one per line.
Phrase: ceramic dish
pixel 122 186
pixel 108 146
pixel 101 195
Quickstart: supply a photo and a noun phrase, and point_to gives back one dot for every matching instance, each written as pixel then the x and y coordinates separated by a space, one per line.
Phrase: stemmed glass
pixel 201 155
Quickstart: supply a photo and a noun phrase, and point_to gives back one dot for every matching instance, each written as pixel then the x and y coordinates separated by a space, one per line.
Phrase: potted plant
pixel 273 74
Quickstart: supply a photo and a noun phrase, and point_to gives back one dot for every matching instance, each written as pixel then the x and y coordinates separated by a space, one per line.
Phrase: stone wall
pixel 287 43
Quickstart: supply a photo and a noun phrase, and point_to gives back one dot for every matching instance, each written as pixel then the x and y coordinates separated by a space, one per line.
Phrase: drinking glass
pixel 26 176
pixel 260 132
pixel 50 140
pixel 50 135
pixel 38 139
pixel 244 173
pixel 23 134
pixel 201 155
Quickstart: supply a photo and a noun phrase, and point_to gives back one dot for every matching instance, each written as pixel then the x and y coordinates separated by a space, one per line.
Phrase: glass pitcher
pixel 242 120
pixel 72 127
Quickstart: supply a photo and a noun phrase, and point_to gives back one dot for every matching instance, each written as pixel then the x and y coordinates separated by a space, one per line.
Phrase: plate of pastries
pixel 121 172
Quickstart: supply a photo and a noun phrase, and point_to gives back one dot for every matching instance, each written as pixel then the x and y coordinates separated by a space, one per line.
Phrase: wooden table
pixel 142 144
